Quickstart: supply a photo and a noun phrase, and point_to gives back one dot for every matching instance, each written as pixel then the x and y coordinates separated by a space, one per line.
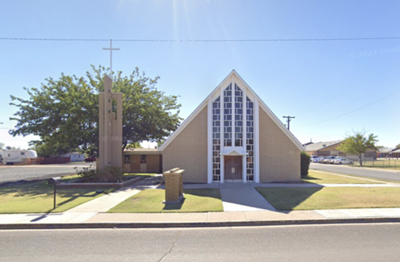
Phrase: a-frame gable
pixel 272 115
pixel 216 91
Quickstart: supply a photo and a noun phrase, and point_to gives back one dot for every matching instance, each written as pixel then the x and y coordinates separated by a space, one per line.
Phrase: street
pixel 30 172
pixel 393 175
pixel 353 242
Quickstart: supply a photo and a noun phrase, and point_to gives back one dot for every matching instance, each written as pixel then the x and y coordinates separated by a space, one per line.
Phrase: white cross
pixel 111 49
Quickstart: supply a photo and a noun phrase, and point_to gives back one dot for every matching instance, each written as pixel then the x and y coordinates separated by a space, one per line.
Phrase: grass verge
pixel 316 177
pixel 72 177
pixel 150 201
pixel 331 197
pixel 37 197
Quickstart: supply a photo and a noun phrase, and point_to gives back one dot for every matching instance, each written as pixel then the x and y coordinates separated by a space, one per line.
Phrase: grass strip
pixel 316 177
pixel 331 197
pixel 151 201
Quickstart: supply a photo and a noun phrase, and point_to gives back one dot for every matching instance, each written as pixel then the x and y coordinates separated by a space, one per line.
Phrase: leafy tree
pixel 1 145
pixel 358 144
pixel 133 145
pixel 398 146
pixel 64 112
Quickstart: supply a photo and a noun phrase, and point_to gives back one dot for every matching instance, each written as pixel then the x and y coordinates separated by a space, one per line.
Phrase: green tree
pixel 64 112
pixel 1 145
pixel 358 144
pixel 398 146
pixel 133 145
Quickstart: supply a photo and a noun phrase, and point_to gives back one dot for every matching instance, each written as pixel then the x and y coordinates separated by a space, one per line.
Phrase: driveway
pixel 391 175
pixel 31 172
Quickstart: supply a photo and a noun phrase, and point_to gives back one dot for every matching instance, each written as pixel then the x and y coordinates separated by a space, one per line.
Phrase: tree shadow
pixel 32 190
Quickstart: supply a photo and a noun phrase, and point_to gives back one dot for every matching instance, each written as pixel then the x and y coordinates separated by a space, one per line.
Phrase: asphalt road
pixel 361 242
pixel 30 172
pixel 393 175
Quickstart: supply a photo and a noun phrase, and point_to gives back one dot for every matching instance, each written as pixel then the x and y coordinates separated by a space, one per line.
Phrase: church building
pixel 233 136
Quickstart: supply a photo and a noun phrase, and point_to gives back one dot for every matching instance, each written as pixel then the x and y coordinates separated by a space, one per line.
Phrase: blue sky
pixel 332 87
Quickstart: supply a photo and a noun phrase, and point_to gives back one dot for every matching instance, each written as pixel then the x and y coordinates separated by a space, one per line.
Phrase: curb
pixel 117 225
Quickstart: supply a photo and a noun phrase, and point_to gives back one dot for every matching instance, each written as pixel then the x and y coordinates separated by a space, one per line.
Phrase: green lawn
pixel 331 197
pixel 316 177
pixel 37 197
pixel 150 201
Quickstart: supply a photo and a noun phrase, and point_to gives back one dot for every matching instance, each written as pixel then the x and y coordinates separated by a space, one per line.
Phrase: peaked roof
pixel 321 145
pixel 205 102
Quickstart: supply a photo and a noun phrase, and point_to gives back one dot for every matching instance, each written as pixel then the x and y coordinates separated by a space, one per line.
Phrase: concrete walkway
pixel 242 197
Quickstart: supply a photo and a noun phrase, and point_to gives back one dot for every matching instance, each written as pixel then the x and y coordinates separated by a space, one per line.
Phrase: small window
pixel 127 159
pixel 143 159
pixel 22 153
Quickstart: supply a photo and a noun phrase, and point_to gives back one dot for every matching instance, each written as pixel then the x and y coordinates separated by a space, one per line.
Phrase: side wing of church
pixel 233 136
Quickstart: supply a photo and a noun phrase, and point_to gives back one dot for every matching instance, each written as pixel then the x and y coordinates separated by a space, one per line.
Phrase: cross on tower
pixel 111 49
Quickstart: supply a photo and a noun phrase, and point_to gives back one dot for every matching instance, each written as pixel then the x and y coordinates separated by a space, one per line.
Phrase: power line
pixel 202 40
pixel 352 111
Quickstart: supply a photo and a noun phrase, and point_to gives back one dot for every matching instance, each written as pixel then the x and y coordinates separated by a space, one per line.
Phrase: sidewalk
pixel 248 209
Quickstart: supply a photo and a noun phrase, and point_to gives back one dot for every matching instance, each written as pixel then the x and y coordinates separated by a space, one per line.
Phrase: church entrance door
pixel 233 168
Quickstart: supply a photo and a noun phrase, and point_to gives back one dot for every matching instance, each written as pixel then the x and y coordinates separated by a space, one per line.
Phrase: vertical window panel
pixel 216 139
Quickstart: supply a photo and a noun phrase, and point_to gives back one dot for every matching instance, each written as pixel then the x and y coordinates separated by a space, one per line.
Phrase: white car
pixel 340 160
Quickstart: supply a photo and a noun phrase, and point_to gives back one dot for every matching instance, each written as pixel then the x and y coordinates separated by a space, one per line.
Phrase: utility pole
pixel 288 121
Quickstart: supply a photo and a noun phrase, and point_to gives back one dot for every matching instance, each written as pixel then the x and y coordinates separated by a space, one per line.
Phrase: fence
pixel 387 163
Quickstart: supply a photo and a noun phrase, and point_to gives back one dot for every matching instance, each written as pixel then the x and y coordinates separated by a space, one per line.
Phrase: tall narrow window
pixel 250 139
pixel 228 116
pixel 238 116
pixel 216 124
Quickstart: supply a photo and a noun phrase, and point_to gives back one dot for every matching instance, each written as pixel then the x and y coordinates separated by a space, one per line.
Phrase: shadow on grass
pixel 310 179
pixel 31 190
pixel 287 198
pixel 174 206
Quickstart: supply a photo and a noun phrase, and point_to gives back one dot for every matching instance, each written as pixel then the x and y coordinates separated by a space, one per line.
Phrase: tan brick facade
pixel 279 156
pixel 188 150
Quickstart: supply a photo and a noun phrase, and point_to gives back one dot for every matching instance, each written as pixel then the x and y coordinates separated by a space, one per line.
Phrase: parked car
pixel 340 161
pixel 328 160
pixel 90 159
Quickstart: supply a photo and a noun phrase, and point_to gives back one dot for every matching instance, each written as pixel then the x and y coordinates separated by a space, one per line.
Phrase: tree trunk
pixel 360 159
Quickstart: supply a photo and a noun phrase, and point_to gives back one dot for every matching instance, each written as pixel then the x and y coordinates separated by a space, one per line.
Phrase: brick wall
pixel 189 150
pixel 279 157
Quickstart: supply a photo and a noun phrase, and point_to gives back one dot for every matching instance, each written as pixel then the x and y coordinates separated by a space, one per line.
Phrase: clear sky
pixel 331 87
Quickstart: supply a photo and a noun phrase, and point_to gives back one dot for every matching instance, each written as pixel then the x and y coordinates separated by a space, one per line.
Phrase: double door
pixel 233 168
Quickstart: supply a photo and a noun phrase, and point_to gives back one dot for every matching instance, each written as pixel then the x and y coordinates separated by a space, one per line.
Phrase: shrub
pixel 305 163
pixel 87 173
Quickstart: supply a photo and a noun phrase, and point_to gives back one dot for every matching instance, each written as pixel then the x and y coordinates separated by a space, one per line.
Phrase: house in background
pixel 142 160
pixel 233 136
pixel 74 157
pixel 395 153
pixel 330 148
pixel 384 152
